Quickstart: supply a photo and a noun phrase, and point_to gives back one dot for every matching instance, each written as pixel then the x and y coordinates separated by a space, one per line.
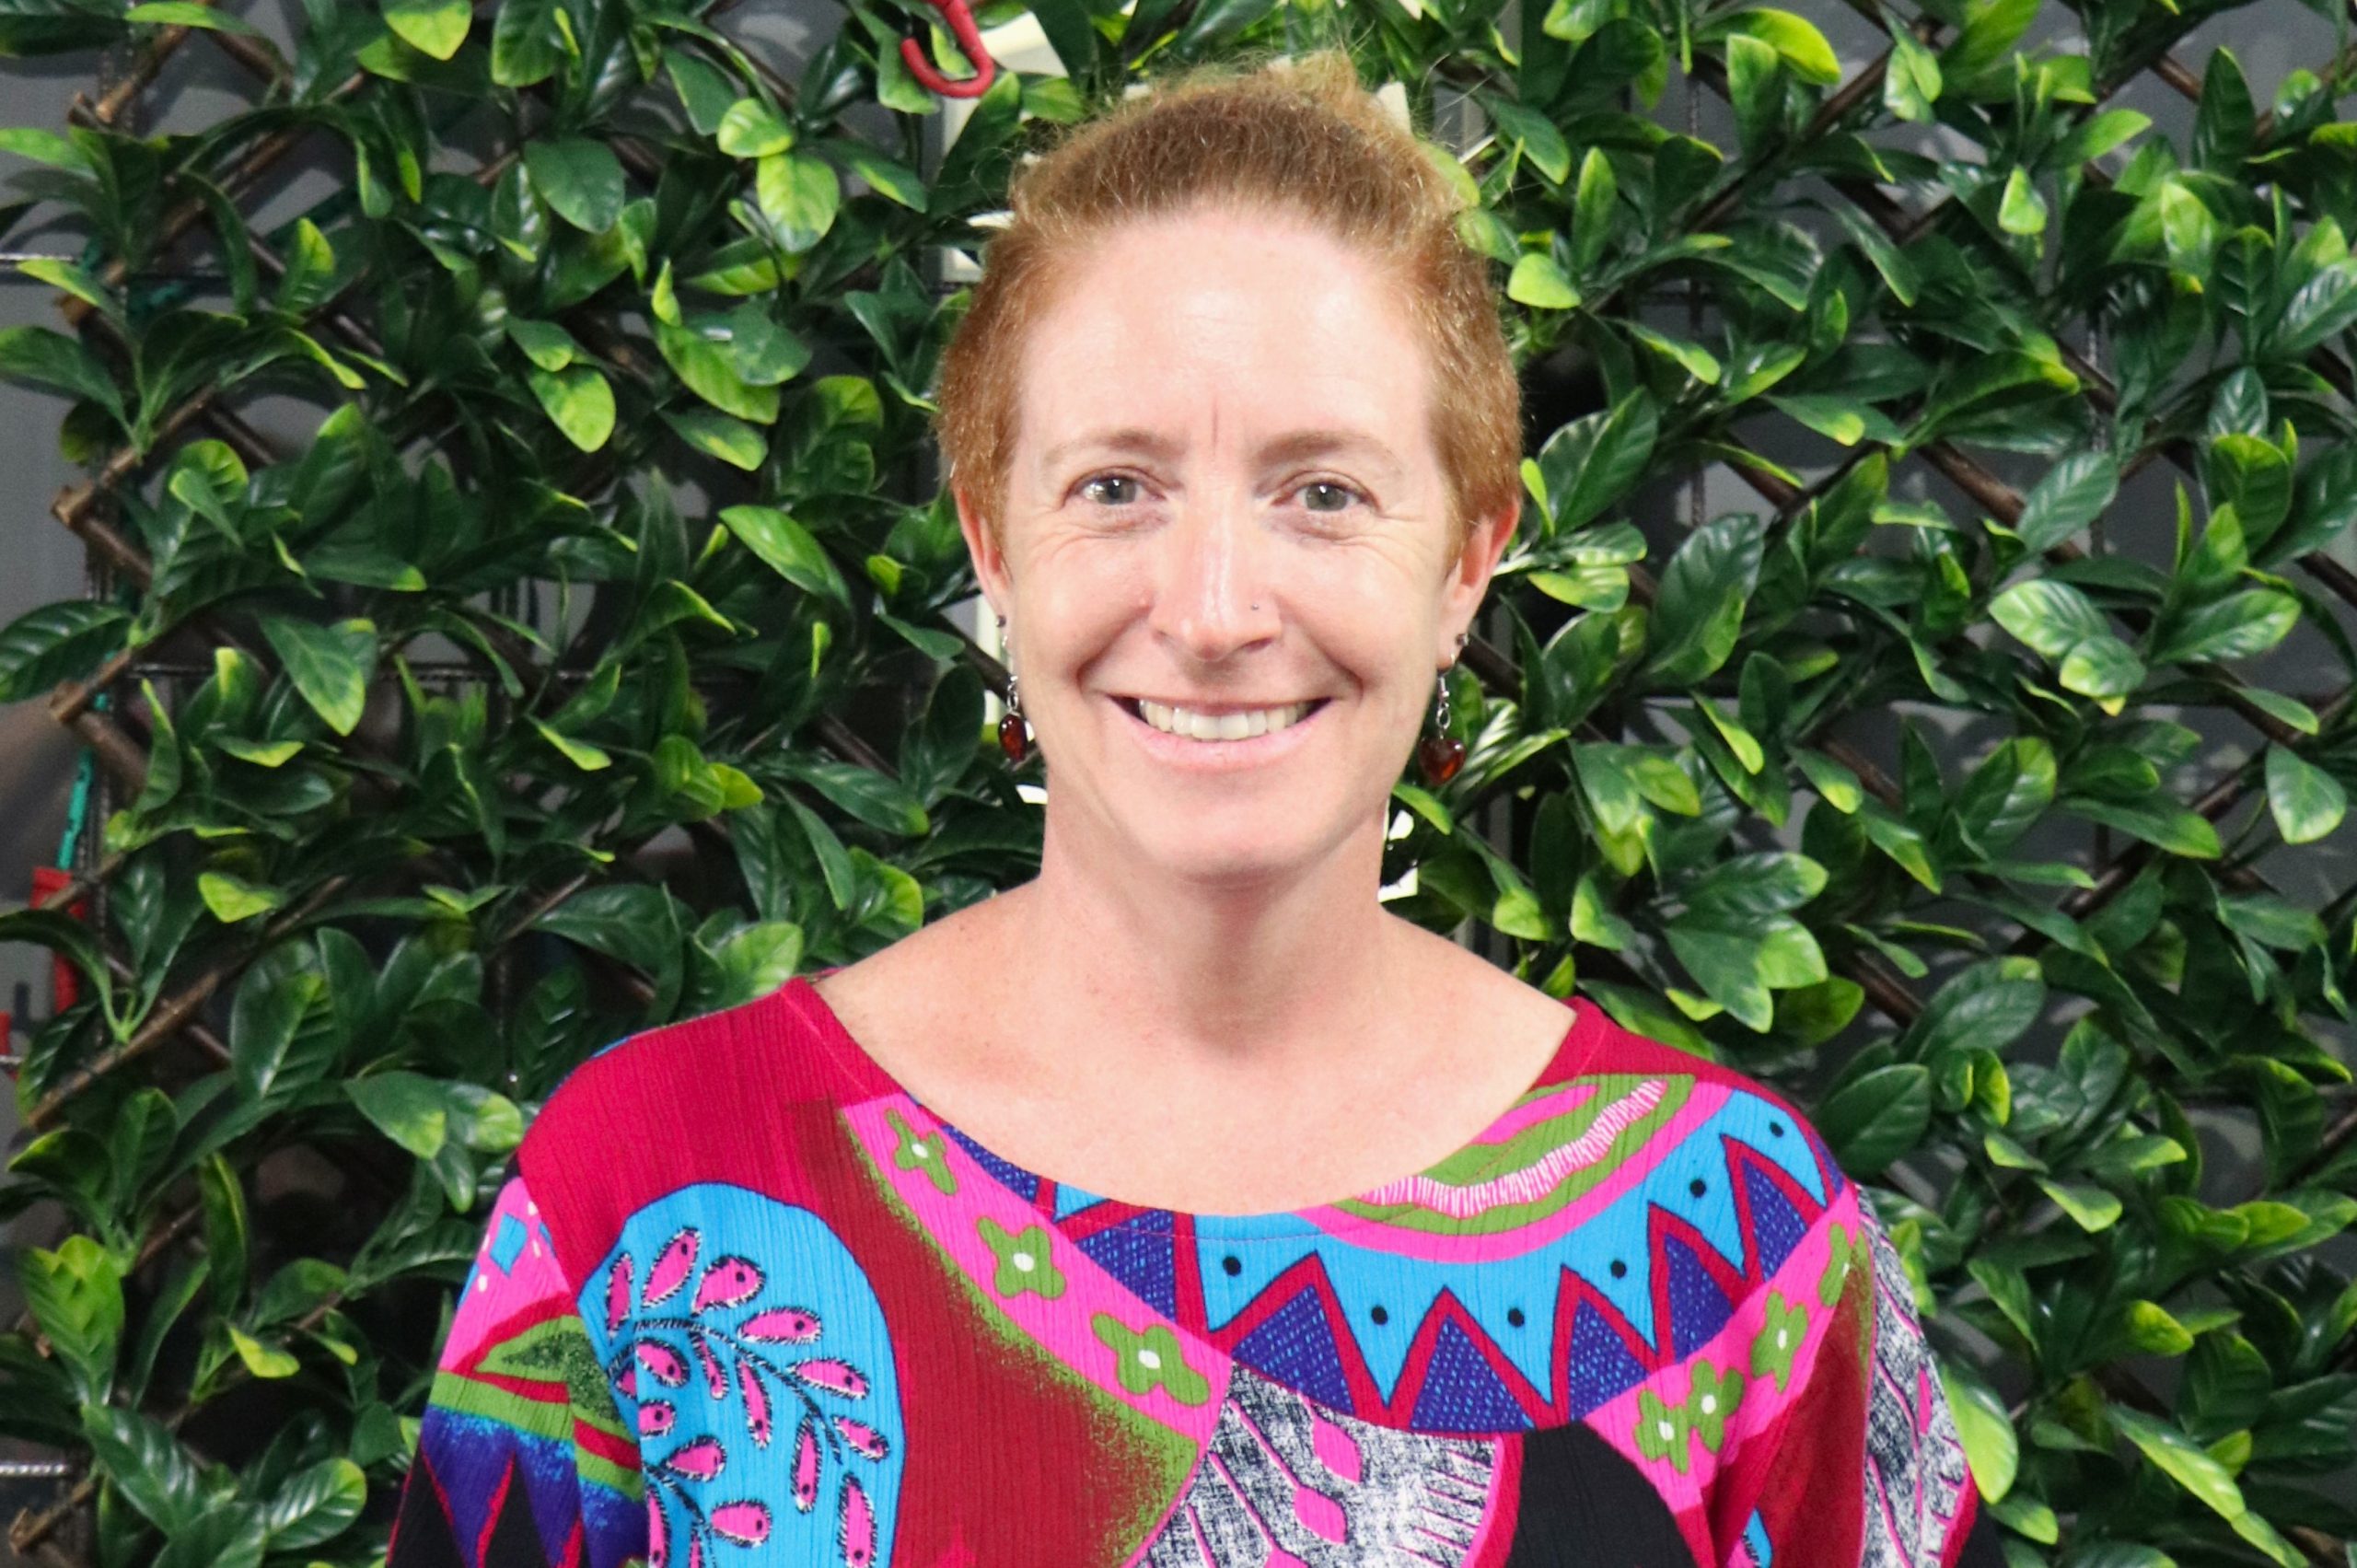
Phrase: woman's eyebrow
pixel 1290 447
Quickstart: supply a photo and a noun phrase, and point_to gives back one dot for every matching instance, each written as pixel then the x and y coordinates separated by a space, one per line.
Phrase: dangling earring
pixel 1440 754
pixel 1014 732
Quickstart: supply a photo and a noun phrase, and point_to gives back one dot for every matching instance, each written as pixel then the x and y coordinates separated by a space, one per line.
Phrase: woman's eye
pixel 1342 494
pixel 1088 484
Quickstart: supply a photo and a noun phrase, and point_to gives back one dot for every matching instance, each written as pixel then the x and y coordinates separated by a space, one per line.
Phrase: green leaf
pixel 1538 282
pixel 1875 1118
pixel 752 129
pixel 1424 804
pixel 1724 961
pixel 2051 617
pixel 1898 273
pixel 52 359
pixel 579 403
pixel 545 343
pixel 2100 133
pixel 2309 803
pixel 2102 667
pixel 1910 84
pixel 146 1465
pixel 186 14
pixel 75 1294
pixel 2180 1457
pixel 45 146
pixel 436 28
pixel 1990 1446
pixel 710 373
pixel 410 1109
pixel 2094 1208
pixel 581 179
pixel 704 92
pixel 232 899
pixel 314 1505
pixel 1693 358
pixel 1534 134
pixel 2021 210
pixel 800 195
pixel 1802 47
pixel 1765 883
pixel 1991 29
pixel 715 434
pixel 261 1360
pixel 526 45
pixel 330 665
pixel 2238 626
pixel 872 797
pixel 64 640
pixel 1591 462
pixel 2168 826
pixel 1837 784
pixel 788 549
pixel 271 1004
pixel 892 181
pixel 2323 309
pixel 1592 225
pixel 1988 1005
pixel 1699 613
pixel 580 753
pixel 2074 494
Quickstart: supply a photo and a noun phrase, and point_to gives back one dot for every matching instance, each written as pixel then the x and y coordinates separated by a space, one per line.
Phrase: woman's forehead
pixel 1171 345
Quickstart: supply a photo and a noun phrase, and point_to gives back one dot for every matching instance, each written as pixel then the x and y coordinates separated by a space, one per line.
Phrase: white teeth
pixel 1221 727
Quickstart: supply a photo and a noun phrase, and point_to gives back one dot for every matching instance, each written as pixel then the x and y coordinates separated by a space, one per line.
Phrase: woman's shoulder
pixel 728 1095
pixel 770 1045
pixel 1618 1049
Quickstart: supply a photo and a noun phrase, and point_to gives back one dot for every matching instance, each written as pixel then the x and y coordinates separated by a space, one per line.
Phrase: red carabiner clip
pixel 969 40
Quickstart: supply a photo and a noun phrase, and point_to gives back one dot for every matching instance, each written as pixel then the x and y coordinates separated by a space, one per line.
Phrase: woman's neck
pixel 1265 975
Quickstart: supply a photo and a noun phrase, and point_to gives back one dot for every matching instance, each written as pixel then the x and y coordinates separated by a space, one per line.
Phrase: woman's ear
pixel 983 546
pixel 1469 579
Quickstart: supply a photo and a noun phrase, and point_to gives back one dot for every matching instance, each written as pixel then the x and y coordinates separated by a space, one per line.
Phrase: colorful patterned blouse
pixel 747 1302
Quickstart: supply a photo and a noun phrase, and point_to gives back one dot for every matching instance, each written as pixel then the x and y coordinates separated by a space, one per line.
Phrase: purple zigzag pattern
pixel 1595 1353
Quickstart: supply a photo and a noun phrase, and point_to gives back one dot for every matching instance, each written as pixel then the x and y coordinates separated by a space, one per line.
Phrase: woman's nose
pixel 1213 593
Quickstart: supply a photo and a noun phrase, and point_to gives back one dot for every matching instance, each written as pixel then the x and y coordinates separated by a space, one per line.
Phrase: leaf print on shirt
pixel 1663 1430
pixel 1778 1343
pixel 1843 1250
pixel 1025 1261
pixel 918 1151
pixel 1711 1398
pixel 767 1407
pixel 1151 1360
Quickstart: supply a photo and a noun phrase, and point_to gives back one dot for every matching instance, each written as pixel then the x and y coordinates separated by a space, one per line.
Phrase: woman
pixel 1019 1241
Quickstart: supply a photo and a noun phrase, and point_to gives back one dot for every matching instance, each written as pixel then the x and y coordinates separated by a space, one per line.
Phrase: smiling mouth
pixel 1236 724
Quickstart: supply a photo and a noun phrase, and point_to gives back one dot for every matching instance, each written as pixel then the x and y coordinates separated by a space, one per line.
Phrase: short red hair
pixel 1299 137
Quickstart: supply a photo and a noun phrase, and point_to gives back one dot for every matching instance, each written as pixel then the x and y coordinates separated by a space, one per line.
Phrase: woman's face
pixel 1224 498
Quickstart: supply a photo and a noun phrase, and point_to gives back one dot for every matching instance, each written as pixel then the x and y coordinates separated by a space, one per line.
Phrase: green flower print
pixel 1846 1250
pixel 1778 1339
pixel 1711 1400
pixel 1149 1360
pixel 923 1154
pixel 1663 1430
pixel 1023 1260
